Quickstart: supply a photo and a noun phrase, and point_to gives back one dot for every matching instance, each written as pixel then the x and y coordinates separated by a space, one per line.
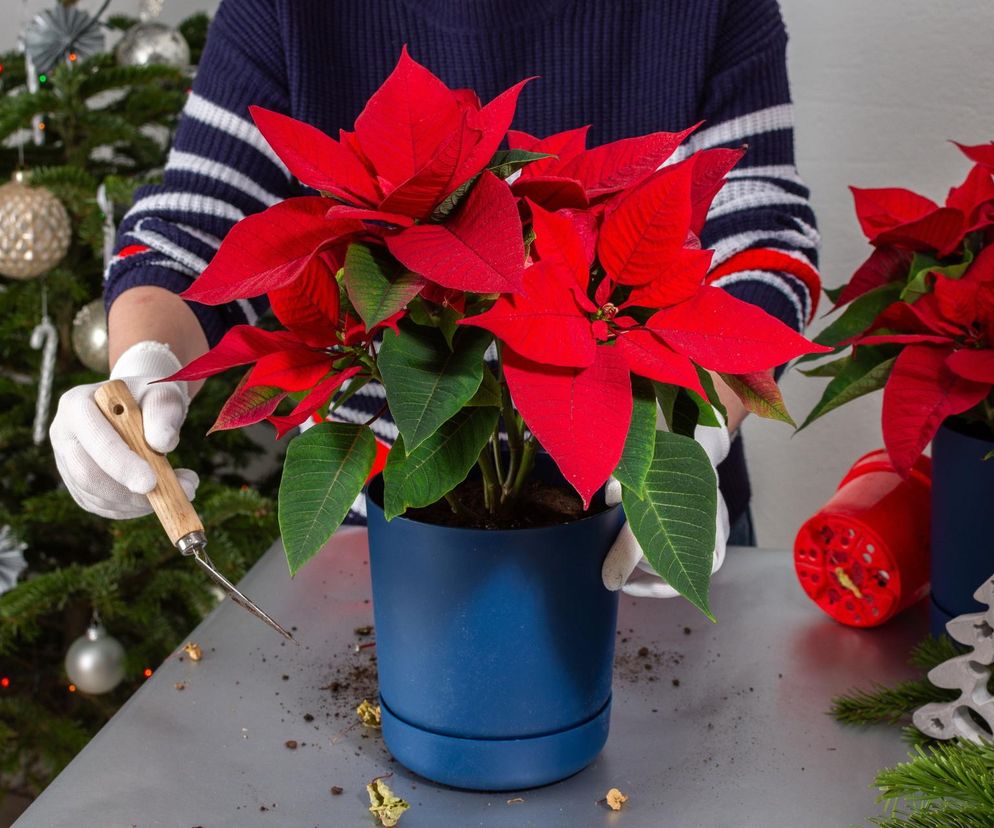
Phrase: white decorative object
pixel 12 562
pixel 35 229
pixel 964 717
pixel 95 661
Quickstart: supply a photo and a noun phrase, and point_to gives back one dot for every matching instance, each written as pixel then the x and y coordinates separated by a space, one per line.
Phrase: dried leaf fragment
pixel 369 713
pixel 384 804
pixel 615 799
pixel 192 649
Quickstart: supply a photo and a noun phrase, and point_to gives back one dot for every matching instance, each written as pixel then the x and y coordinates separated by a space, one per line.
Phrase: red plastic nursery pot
pixel 864 556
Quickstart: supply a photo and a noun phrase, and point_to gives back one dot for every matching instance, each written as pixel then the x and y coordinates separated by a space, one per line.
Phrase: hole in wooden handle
pixel 118 409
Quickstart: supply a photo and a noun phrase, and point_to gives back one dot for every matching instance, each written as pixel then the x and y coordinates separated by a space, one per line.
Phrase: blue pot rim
pixel 378 481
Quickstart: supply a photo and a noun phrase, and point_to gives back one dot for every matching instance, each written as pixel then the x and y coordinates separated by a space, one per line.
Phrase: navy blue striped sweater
pixel 626 67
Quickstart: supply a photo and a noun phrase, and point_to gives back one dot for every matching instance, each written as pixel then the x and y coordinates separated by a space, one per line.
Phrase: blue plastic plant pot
pixel 962 528
pixel 494 647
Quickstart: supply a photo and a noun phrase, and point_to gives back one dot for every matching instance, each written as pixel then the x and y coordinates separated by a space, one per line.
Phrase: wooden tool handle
pixel 175 512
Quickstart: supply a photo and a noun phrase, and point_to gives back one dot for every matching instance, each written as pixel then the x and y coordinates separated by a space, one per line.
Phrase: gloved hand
pixel 626 568
pixel 101 473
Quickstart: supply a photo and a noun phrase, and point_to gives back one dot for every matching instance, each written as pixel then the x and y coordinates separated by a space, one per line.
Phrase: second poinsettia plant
pixel 919 312
pixel 427 244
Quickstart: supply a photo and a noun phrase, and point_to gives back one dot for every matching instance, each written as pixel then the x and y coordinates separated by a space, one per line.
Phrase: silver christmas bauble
pixel 89 336
pixel 151 42
pixel 34 229
pixel 95 661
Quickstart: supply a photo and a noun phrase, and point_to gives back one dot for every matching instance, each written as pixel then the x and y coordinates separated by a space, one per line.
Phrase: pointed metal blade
pixel 200 556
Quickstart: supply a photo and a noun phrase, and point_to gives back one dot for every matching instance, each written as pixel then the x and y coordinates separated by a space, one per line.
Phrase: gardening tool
pixel 175 512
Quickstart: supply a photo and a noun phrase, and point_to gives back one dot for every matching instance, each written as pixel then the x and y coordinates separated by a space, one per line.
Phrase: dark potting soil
pixel 540 504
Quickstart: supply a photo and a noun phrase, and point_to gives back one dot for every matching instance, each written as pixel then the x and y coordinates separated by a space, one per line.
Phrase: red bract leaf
pixel 710 168
pixel 585 223
pixel 312 402
pixel 440 175
pixel 556 239
pixel 976 365
pixel 899 339
pixel 882 208
pixel 546 324
pixel 309 307
pixel 976 191
pixel 921 317
pixel 679 276
pixel 552 192
pixel 479 248
pixel 979 153
pixel 954 300
pixel 940 231
pixel 647 224
pixel 239 346
pixel 247 405
pixel 622 164
pixel 648 356
pixel 268 250
pixel 406 120
pixel 579 415
pixel 920 393
pixel 492 122
pixel 344 211
pixel 722 333
pixel 293 370
pixel 884 265
pixel 316 159
pixel 563 145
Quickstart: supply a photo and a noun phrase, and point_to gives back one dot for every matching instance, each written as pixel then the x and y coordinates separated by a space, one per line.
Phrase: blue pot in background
pixel 494 647
pixel 962 521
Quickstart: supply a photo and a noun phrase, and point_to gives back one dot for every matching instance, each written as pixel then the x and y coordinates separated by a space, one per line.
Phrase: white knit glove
pixel 626 568
pixel 101 473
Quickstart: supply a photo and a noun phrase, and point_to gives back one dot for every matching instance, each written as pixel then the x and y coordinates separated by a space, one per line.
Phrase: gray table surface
pixel 728 728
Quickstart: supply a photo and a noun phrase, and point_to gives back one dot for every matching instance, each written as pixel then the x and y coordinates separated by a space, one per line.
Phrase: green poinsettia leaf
pixel 865 371
pixel 707 415
pixel 325 469
pixel 439 464
pixel 376 285
pixel 856 318
pixel 760 394
pixel 674 520
pixel 641 439
pixel 506 162
pixel 922 265
pixel 426 381
pixel 666 396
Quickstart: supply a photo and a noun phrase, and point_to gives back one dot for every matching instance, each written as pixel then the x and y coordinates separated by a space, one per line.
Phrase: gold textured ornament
pixel 34 229
pixel 89 336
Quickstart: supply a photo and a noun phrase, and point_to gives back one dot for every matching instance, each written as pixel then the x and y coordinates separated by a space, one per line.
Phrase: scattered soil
pixel 350 684
pixel 540 504
pixel 633 666
pixel 337 790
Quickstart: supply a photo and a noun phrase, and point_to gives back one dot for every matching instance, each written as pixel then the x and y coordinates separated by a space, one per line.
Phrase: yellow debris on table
pixel 369 713
pixel 384 804
pixel 615 799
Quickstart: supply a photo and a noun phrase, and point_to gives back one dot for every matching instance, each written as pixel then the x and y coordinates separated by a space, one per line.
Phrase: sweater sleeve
pixel 219 170
pixel 761 224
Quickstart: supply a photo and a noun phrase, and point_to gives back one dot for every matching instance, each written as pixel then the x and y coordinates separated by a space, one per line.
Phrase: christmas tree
pixel 89 121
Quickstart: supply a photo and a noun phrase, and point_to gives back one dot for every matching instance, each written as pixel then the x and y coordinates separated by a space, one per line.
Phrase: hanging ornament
pixel 95 661
pixel 12 562
pixel 56 34
pixel 44 337
pixel 106 206
pixel 34 229
pixel 89 336
pixel 152 42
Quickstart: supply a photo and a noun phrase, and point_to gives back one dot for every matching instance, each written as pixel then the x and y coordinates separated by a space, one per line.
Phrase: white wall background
pixel 879 86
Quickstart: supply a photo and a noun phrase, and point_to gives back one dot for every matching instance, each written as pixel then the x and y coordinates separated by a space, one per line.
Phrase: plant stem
pixel 524 470
pixel 490 484
pixel 454 503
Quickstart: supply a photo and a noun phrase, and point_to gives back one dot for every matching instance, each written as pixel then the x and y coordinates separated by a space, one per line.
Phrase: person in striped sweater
pixel 626 67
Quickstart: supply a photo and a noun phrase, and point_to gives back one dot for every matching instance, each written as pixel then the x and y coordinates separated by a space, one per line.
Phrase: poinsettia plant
pixel 919 312
pixel 427 244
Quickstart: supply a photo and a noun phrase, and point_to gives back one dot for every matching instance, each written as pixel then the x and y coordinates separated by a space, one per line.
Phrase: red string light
pixel 4 682
pixel 73 57
pixel 148 672
pixel 72 688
